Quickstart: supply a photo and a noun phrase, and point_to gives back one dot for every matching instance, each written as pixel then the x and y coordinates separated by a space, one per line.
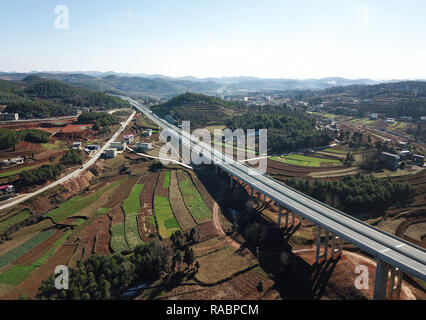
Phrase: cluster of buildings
pixel 6 192
pixel 10 162
pixel 9 116
pixel 393 161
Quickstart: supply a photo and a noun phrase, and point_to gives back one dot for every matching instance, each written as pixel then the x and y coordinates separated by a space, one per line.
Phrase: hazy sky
pixel 383 39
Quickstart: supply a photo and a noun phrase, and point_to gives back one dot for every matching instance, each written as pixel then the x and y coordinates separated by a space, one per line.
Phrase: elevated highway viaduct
pixel 391 253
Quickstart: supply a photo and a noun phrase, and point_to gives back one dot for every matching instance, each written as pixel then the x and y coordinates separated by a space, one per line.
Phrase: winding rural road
pixel 73 174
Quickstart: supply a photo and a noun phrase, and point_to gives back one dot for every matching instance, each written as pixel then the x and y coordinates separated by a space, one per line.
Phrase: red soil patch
pixel 160 191
pixel 96 236
pixel 117 215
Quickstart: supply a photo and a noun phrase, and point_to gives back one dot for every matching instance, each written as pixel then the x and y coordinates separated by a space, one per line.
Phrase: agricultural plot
pixel 305 161
pixel 193 199
pixel 15 219
pixel 166 221
pixel 15 172
pixel 118 240
pixel 166 182
pixel 14 254
pixel 26 262
pixel 183 216
pixel 145 218
pixel 78 203
pixel 131 207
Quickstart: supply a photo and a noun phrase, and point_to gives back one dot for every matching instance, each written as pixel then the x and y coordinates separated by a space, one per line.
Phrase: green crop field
pixel 57 145
pixel 167 224
pixel 304 161
pixel 235 147
pixel 15 172
pixel 193 199
pixel 166 182
pixel 14 254
pixel 15 275
pixel 77 203
pixel 14 220
pixel 131 207
pixel 118 239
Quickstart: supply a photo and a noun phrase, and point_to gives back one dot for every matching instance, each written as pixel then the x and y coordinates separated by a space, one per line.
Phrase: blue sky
pixel 271 39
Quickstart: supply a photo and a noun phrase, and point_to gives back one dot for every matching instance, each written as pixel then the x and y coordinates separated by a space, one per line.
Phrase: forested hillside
pixel 34 97
pixel 287 131
pixel 197 108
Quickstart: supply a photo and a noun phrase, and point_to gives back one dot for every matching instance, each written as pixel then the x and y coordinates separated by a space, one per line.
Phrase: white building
pixel 129 138
pixel 148 133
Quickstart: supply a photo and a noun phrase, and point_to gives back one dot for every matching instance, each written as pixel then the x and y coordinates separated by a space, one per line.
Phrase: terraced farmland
pixel 193 199
pixel 305 161
pixel 15 219
pixel 183 216
pixel 22 249
pixel 75 204
pixel 131 207
pixel 166 221
pixel 118 239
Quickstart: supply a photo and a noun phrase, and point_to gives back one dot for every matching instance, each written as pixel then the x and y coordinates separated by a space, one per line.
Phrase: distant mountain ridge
pixel 165 87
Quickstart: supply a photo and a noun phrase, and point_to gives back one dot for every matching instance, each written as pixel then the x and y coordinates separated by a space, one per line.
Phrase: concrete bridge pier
pixel 324 254
pixel 279 216
pixel 215 170
pixel 395 283
pixel 286 218
pixel 381 280
pixel 252 197
pixel 231 181
pixel 336 246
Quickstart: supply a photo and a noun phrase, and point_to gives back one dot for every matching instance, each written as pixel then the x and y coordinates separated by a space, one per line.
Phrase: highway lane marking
pixel 400 245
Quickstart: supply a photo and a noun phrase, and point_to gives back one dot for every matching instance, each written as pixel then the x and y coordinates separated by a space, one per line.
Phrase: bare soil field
pixel 183 216
pixel 147 207
pixel 117 215
pixel 283 171
pixel 96 236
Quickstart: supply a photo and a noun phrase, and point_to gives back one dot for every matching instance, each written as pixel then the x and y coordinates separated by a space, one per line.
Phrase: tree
pixel 260 289
pixel 178 259
pixel 72 157
pixel 349 159
pixel 189 257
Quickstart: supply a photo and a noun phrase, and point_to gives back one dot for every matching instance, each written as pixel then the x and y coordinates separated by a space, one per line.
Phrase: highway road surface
pixel 385 246
pixel 75 173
